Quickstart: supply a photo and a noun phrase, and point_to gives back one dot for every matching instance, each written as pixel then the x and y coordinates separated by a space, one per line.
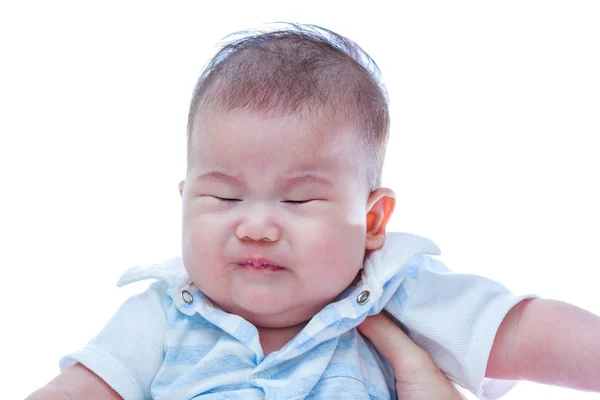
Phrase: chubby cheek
pixel 196 242
pixel 200 245
pixel 334 255
pixel 341 235
pixel 202 260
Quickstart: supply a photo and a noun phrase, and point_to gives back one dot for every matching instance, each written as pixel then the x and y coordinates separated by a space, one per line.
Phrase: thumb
pixel 417 376
pixel 404 355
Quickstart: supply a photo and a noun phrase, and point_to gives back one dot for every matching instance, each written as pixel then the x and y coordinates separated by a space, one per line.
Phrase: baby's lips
pixel 258 263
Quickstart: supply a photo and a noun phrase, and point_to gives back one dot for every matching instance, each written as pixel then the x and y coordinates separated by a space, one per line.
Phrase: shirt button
pixel 187 297
pixel 363 297
pixel 263 375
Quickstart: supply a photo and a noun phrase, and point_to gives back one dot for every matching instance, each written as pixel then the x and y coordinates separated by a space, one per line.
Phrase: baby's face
pixel 274 214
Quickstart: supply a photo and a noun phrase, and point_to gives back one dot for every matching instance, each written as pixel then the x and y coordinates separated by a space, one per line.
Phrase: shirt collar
pixel 345 313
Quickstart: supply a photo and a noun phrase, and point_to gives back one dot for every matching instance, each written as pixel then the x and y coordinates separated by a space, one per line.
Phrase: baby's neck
pixel 273 339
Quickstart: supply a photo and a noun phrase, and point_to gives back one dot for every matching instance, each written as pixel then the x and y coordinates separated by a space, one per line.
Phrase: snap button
pixel 363 297
pixel 187 296
pixel 263 375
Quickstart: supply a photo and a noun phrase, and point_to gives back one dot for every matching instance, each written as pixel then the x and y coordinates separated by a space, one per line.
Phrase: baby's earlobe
pixel 181 187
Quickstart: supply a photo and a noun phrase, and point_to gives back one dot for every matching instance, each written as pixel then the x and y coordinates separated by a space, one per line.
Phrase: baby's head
pixel 286 137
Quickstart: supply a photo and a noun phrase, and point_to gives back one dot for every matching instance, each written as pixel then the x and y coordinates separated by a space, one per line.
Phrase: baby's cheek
pixel 334 264
pixel 338 242
pixel 200 244
pixel 324 248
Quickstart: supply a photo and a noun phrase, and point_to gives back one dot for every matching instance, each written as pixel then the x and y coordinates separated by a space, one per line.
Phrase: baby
pixel 285 253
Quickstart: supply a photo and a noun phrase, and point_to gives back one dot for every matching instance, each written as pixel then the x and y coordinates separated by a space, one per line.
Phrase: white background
pixel 493 153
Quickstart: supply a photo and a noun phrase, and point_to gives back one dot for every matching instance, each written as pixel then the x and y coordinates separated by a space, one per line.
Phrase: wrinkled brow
pixel 220 176
pixel 307 178
pixel 285 182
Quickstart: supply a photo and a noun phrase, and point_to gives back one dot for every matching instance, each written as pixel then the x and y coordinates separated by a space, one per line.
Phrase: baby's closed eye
pixel 296 202
pixel 226 199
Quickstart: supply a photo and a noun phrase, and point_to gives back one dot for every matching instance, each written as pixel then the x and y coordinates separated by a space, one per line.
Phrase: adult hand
pixel 417 376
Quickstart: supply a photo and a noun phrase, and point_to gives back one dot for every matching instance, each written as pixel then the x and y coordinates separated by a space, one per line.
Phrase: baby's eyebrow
pixel 306 178
pixel 220 176
pixel 284 182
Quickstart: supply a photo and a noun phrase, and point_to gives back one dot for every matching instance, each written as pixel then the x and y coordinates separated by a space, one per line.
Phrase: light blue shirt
pixel 171 342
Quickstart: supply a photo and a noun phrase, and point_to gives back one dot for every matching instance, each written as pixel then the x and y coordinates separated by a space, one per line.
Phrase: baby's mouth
pixel 259 266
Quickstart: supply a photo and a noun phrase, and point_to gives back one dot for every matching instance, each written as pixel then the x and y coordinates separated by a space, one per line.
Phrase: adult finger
pixel 403 354
pixel 417 376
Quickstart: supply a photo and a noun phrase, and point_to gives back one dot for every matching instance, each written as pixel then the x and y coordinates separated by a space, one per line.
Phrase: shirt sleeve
pixel 129 350
pixel 455 317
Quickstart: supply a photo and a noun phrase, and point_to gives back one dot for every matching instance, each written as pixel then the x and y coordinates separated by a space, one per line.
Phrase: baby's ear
pixel 380 207
pixel 181 187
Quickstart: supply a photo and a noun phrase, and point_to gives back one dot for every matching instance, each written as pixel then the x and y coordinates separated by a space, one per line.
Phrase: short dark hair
pixel 296 69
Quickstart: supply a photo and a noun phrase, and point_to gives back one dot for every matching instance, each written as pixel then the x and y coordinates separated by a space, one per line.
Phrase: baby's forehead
pixel 232 139
pixel 304 134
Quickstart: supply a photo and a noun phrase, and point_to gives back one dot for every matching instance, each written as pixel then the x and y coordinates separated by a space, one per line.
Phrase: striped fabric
pixel 210 354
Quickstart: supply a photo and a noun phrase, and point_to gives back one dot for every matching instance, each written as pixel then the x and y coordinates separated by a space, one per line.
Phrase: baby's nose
pixel 259 231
